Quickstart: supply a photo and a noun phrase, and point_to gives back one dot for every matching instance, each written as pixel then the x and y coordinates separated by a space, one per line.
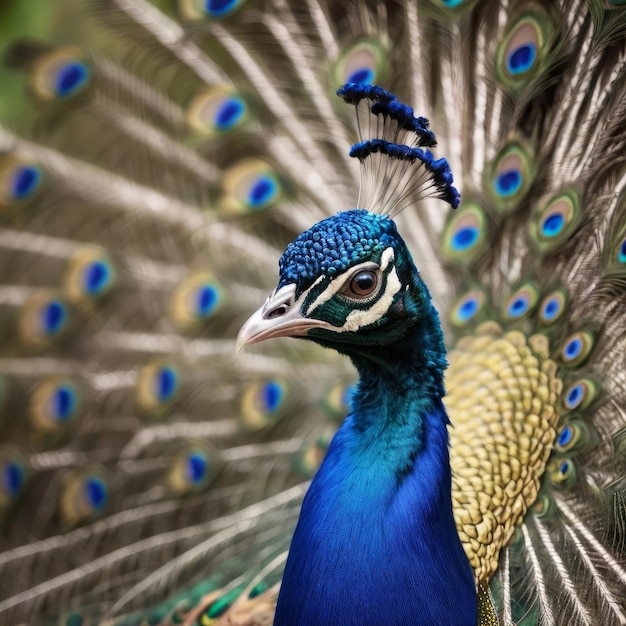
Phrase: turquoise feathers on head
pixel 334 245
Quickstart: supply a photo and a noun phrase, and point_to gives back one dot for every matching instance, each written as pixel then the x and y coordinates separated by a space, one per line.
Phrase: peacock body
pixel 155 161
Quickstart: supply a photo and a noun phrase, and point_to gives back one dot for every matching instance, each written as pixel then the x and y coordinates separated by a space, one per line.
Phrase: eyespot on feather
pixel 54 404
pixel 579 394
pixel 13 478
pixel 554 221
pixel 573 437
pixel 197 299
pixel 464 236
pixel 90 275
pixel 453 4
pixel 20 179
pixel 84 495
pixel 204 10
pixel 562 472
pixel 510 177
pixel 60 74
pixel 249 186
pixel 521 54
pixel 576 348
pixel 262 403
pixel 552 307
pixel 192 471
pixel 521 303
pixel 217 111
pixel 468 308
pixel 362 62
pixel 158 387
pixel 44 318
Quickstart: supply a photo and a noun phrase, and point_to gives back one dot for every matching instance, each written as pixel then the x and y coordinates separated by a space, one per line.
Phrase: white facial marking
pixel 362 317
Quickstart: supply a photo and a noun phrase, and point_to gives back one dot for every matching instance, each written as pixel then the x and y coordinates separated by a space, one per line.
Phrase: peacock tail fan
pixel 155 160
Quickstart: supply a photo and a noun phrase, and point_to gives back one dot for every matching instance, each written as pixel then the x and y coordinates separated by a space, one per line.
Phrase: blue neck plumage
pixel 376 541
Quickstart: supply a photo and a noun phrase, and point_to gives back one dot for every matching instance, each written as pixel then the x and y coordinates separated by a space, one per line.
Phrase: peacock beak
pixel 280 316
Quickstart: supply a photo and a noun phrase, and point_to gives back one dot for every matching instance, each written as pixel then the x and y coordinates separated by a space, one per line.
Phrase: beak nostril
pixel 279 311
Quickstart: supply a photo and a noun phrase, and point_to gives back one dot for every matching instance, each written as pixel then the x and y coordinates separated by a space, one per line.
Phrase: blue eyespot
pixel 273 394
pixel 362 62
pixel 573 348
pixel 508 183
pixel 575 396
pixel 565 436
pixel 522 58
pixel 96 492
pixel 621 255
pixel 190 471
pixel 580 394
pixel 518 307
pixel 196 299
pixel 452 3
pixel 552 225
pixel 464 238
pixel 563 473
pixel 220 8
pixel 197 465
pixel 71 78
pixel 25 181
pixel 468 309
pixel 207 299
pixel 166 381
pixel 262 192
pixel 97 275
pixel 229 114
pixel 362 76
pixel 521 301
pixel 551 308
pixel 64 402
pixel 13 478
pixel 217 109
pixel 577 347
pixel 54 317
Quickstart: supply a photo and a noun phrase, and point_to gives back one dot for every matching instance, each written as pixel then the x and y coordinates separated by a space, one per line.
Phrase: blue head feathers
pixel 334 245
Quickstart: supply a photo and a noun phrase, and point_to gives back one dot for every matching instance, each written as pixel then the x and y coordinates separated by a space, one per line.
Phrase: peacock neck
pixel 398 386
pixel 376 541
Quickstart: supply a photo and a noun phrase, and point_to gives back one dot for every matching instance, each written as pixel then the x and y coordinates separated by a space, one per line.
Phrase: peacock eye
pixel 362 284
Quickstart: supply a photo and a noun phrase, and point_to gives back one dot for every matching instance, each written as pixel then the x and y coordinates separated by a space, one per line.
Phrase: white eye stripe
pixel 338 283
pixel 363 317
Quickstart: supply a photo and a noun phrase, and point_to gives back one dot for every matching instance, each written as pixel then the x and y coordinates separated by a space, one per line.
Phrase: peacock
pixel 458 455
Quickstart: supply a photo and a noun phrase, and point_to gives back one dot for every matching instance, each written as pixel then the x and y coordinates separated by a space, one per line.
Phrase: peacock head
pixel 347 283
